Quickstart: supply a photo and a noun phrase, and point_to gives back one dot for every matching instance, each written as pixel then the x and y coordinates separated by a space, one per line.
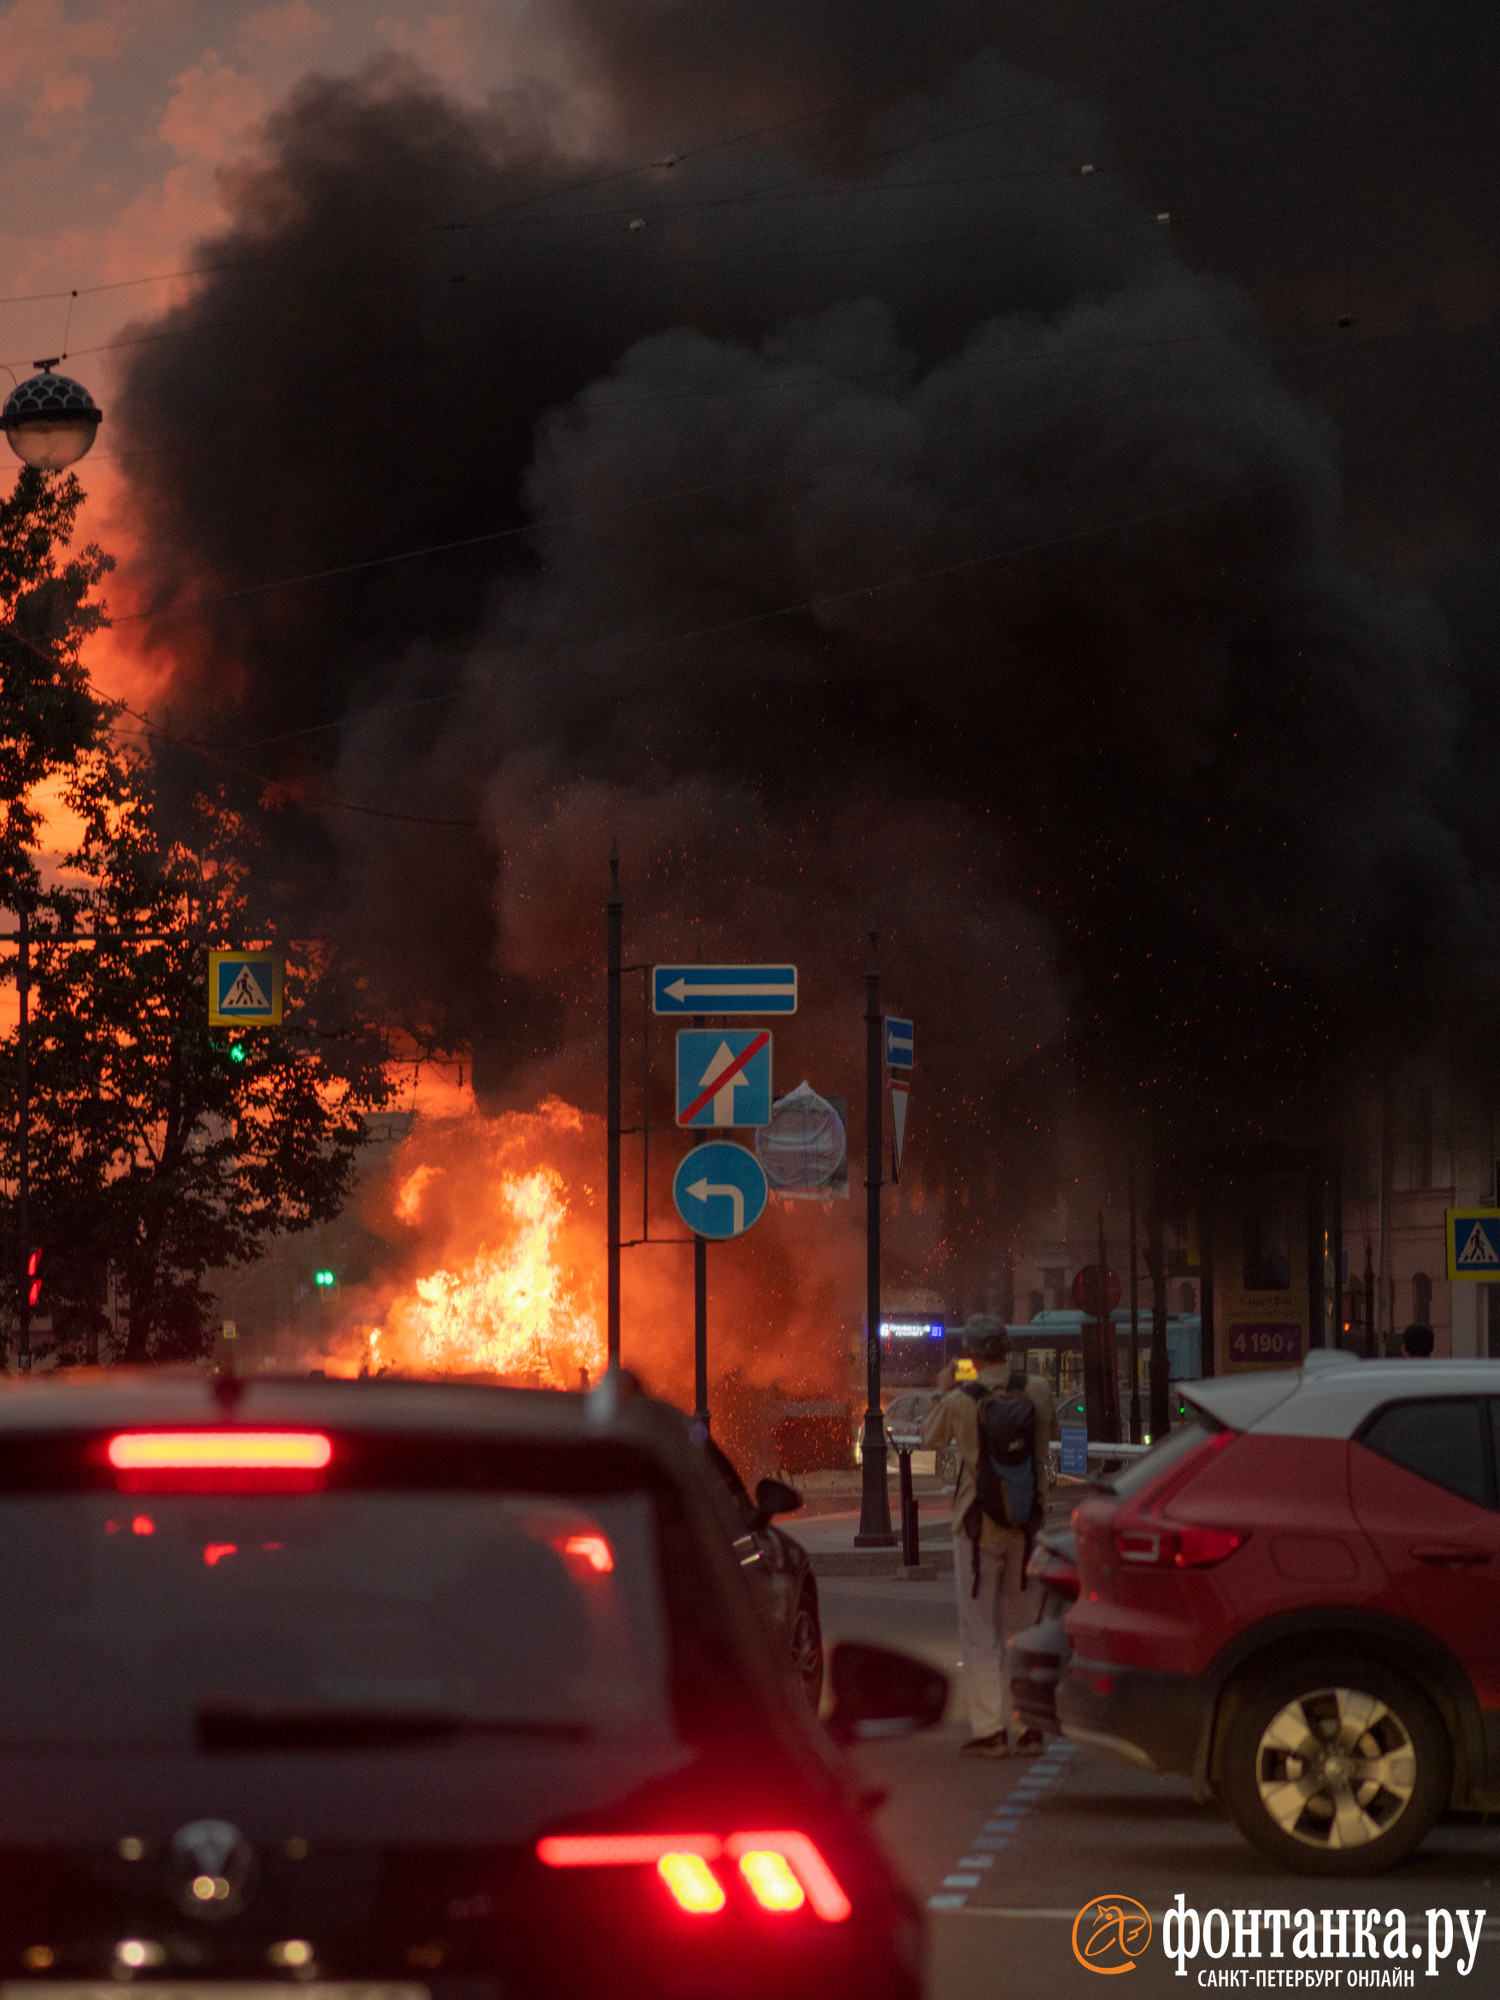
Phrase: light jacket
pixel 954 1419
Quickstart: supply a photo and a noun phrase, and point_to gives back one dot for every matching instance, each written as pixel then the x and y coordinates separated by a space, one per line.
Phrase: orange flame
pixel 512 1311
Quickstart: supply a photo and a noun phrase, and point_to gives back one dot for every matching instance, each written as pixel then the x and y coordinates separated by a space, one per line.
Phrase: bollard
pixel 911 1553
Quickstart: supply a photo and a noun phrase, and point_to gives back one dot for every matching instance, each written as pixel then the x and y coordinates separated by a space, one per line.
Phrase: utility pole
pixel 23 1117
pixel 612 1102
pixel 700 1304
pixel 1135 1324
pixel 1109 1363
pixel 1385 1318
pixel 875 1500
pixel 1156 1257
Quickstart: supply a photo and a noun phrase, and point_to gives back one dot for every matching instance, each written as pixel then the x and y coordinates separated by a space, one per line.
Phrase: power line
pixel 1012 553
pixel 531 528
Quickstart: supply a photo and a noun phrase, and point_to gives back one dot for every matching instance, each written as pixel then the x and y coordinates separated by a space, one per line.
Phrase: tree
pixel 165 1147
pixel 49 716
pixel 160 1147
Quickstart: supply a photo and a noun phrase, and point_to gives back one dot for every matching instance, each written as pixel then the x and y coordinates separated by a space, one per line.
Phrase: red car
pixel 1295 1601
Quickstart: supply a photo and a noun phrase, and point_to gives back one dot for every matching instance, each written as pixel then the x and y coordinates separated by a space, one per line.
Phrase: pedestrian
pixel 997 1504
pixel 1418 1342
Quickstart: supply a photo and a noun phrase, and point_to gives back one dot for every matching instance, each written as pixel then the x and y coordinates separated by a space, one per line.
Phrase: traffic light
pixel 326 1281
pixel 34 1278
pixel 236 1051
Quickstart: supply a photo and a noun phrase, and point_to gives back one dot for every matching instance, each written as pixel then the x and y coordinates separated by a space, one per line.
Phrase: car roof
pixel 1333 1394
pixel 88 1399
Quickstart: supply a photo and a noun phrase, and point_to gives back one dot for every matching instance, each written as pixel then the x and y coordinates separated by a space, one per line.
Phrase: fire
pixel 494 1258
pixel 512 1310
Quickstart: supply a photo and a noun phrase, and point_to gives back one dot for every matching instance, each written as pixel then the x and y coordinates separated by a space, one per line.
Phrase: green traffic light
pixel 324 1278
pixel 237 1052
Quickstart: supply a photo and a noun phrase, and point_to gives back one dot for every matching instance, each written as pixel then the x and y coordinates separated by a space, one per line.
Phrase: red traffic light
pixel 34 1278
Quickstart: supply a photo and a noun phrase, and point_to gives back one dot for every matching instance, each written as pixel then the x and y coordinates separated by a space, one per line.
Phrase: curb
pixel 881 1562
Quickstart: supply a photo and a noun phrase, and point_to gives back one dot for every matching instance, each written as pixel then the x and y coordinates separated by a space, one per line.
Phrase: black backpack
pixel 1006 1482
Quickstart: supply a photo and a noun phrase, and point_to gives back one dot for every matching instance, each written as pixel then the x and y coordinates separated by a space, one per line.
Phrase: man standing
pixel 989 1606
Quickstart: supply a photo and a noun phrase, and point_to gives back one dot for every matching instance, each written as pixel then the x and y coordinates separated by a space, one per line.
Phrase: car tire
pixel 1336 1765
pixel 807 1646
pixel 946 1467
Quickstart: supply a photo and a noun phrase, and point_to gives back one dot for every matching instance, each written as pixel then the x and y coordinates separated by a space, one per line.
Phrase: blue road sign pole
pixel 875 1499
pixel 614 954
pixel 700 1307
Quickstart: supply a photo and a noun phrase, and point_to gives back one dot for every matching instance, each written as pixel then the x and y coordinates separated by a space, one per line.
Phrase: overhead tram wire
pixel 917 144
pixel 1015 552
pixel 1108 399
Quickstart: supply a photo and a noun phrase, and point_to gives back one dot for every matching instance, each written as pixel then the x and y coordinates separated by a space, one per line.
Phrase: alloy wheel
pixel 1336 1768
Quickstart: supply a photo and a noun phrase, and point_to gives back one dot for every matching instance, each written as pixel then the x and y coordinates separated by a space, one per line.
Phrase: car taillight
pixel 220 1461
pixel 1150 1546
pixel 782 1870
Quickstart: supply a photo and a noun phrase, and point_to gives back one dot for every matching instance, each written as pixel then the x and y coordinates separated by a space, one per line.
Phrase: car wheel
pixel 946 1467
pixel 807 1647
pixel 1336 1766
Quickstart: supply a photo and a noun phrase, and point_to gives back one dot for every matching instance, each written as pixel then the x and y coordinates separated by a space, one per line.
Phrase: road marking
pixel 1004 1821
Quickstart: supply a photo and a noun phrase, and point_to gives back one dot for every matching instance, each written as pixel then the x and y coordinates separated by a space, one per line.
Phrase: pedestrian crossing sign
pixel 244 989
pixel 1473 1236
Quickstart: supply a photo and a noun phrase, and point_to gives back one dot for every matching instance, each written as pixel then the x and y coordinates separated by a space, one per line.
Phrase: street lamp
pixel 50 420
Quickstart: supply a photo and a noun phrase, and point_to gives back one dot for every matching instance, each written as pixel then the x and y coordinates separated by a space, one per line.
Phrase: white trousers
pixel 985 1623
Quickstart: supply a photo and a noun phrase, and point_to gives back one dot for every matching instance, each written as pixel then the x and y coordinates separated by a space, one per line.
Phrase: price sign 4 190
pixel 1266 1346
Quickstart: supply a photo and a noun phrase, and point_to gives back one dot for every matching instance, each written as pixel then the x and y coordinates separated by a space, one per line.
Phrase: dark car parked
pixel 778 1567
pixel 1039 1653
pixel 456 1692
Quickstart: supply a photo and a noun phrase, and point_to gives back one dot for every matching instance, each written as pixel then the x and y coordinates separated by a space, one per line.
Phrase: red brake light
pixel 802 1860
pixel 782 1870
pixel 591 1549
pixel 220 1450
pixel 693 1884
pixel 1147 1545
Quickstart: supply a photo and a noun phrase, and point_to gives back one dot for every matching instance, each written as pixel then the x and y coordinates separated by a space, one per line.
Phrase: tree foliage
pixel 161 1147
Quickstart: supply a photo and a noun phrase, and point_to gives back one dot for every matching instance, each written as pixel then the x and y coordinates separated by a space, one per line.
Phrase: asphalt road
pixel 1005 1854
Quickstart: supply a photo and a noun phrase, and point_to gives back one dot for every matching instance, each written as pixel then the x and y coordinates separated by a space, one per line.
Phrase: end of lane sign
pixel 724 1076
pixel 723 989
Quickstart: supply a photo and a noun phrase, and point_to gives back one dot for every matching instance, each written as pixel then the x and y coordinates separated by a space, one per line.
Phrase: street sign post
pixel 724 989
pixel 723 1078
pixel 1473 1239
pixel 900 1042
pixel 244 989
pixel 720 1190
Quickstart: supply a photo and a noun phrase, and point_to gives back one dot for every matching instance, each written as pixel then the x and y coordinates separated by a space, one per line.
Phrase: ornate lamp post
pixel 50 420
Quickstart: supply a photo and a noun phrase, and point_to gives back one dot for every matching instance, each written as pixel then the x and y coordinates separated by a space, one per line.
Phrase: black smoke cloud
pixel 1162 805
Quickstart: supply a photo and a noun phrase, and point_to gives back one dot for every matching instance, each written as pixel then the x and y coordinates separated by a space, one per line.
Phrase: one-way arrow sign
pixel 724 989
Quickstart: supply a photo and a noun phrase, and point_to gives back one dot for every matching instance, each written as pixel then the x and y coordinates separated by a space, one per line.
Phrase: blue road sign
pixel 899 1042
pixel 1073 1458
pixel 724 1076
pixel 1473 1242
pixel 244 987
pixel 724 989
pixel 720 1190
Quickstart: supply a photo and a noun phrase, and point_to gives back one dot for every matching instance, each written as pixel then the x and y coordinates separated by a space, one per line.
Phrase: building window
pixel 1421 1297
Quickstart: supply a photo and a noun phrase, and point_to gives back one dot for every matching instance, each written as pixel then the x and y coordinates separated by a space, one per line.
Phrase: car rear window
pixel 1439 1438
pixel 129 1616
pixel 1140 1472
